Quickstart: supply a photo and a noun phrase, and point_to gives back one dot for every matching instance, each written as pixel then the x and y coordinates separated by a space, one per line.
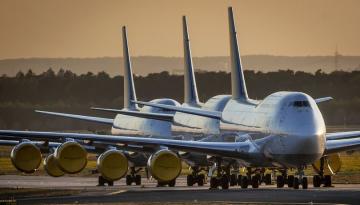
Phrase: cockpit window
pixel 301 103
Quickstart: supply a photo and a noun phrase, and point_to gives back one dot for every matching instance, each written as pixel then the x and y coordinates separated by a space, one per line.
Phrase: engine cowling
pixel 71 157
pixel 26 157
pixel 332 164
pixel 164 165
pixel 51 166
pixel 112 165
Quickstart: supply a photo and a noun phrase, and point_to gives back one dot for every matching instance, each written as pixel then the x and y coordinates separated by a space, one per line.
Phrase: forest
pixel 65 91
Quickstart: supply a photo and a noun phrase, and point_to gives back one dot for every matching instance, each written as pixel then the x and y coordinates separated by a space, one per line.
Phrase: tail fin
pixel 129 88
pixel 238 85
pixel 190 89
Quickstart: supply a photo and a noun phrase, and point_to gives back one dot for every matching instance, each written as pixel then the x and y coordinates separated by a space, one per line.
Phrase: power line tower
pixel 336 58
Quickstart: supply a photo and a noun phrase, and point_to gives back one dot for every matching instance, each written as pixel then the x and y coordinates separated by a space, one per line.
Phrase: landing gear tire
pixel 224 182
pixel 317 181
pixel 138 179
pixel 233 180
pixel 110 183
pixel 172 183
pixel 239 179
pixel 190 180
pixel 267 179
pixel 296 183
pixel 201 180
pixel 128 180
pixel 290 181
pixel 280 181
pixel 244 182
pixel 327 181
pixel 101 181
pixel 255 181
pixel 304 183
pixel 213 183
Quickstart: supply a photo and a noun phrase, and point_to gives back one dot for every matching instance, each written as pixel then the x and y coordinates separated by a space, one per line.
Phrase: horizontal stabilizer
pixel 187 110
pixel 320 100
pixel 146 115
pixel 79 117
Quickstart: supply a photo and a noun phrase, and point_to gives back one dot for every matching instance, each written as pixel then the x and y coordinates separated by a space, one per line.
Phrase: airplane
pixel 285 130
pixel 156 124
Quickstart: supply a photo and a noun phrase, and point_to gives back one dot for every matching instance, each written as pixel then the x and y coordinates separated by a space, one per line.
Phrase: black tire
pixel 296 183
pixel 327 181
pixel 317 181
pixel 280 181
pixel 304 183
pixel 244 182
pixel 138 179
pixel 172 183
pixel 233 180
pixel 213 183
pixel 224 182
pixel 190 180
pixel 239 179
pixel 101 181
pixel 201 180
pixel 110 183
pixel 268 179
pixel 255 181
pixel 290 181
pixel 128 180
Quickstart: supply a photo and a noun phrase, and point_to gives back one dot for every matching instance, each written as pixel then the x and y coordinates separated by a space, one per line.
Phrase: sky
pixel 92 28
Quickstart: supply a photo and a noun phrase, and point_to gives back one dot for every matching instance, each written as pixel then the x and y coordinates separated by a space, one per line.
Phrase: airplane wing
pixel 334 146
pixel 188 110
pixel 223 149
pixel 324 99
pixel 79 117
pixel 342 135
pixel 147 115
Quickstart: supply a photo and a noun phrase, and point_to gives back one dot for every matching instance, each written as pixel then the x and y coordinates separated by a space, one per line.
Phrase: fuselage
pixel 287 126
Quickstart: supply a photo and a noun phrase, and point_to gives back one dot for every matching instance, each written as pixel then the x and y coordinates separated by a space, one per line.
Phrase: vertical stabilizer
pixel 238 86
pixel 190 89
pixel 129 88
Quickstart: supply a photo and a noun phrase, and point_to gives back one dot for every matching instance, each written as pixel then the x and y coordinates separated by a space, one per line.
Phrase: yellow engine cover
pixel 332 164
pixel 71 157
pixel 112 165
pixel 26 157
pixel 51 167
pixel 164 165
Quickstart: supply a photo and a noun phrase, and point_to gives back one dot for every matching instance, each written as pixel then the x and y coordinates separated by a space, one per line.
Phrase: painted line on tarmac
pixel 116 192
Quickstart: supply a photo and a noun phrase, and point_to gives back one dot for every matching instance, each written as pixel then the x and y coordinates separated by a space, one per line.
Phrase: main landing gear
pixel 171 183
pixel 222 178
pixel 291 180
pixel 195 177
pixel 251 178
pixel 320 179
pixel 133 177
pixel 102 181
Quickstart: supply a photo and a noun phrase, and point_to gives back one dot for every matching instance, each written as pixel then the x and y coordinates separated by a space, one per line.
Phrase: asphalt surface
pixel 87 192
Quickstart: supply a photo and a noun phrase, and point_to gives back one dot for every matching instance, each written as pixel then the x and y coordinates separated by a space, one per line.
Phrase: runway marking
pixel 116 192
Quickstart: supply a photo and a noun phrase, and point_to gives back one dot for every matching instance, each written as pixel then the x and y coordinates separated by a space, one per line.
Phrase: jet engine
pixel 164 165
pixel 26 157
pixel 51 167
pixel 112 165
pixel 71 157
pixel 332 164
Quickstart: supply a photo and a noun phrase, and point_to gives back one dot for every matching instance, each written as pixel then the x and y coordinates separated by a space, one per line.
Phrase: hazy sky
pixel 90 28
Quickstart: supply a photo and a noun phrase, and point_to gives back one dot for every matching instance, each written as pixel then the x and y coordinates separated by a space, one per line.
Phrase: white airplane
pixel 285 130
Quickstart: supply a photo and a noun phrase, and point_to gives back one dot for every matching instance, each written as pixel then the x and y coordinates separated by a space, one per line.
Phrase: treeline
pixel 66 91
